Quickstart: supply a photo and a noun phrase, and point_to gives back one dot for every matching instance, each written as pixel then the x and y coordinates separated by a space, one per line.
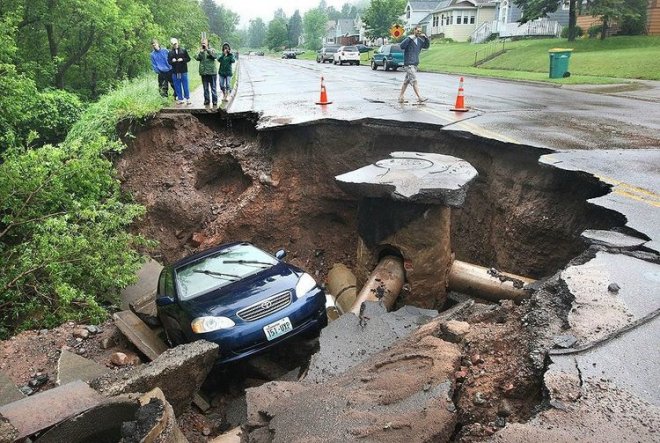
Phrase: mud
pixel 205 181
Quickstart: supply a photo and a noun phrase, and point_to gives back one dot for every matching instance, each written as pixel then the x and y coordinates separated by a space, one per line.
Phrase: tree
pixel 533 9
pixel 277 34
pixel 295 28
pixel 611 11
pixel 381 15
pixel 314 28
pixel 279 13
pixel 256 33
pixel 332 13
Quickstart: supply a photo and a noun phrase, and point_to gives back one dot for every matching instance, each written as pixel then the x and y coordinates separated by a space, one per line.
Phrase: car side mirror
pixel 164 300
pixel 280 254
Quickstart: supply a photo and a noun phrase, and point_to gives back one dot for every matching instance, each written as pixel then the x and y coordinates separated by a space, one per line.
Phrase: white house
pixel 418 14
pixel 458 19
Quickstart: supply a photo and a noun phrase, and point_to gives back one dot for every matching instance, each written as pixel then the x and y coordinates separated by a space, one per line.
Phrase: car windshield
pixel 220 269
pixel 396 48
pixel 350 49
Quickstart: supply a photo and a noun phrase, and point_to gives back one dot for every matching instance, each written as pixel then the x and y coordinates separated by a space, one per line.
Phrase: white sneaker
pixel 189 102
pixel 180 102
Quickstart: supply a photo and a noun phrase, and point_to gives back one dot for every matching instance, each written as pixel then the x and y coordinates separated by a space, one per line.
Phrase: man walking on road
pixel 412 45
pixel 161 67
pixel 207 70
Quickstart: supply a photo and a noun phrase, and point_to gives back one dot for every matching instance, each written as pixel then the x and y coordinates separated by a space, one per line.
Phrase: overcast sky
pixel 251 9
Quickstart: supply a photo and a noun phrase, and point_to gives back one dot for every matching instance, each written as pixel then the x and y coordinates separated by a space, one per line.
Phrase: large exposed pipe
pixel 342 284
pixel 384 283
pixel 486 283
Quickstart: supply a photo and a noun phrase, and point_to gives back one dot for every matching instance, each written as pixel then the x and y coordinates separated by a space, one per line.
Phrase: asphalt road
pixel 610 132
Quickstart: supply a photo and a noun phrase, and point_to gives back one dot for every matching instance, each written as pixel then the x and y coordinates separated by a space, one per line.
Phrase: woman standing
pixel 179 58
pixel 226 59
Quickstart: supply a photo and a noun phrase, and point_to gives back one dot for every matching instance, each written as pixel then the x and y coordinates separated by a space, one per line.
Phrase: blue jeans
pixel 208 82
pixel 225 83
pixel 181 86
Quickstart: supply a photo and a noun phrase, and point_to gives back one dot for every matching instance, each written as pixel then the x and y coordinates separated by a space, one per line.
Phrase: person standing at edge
pixel 161 66
pixel 207 70
pixel 179 58
pixel 412 45
pixel 226 59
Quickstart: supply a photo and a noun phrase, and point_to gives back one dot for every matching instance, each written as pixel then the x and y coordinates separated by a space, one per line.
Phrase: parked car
pixel 240 297
pixel 326 53
pixel 347 54
pixel 387 56
pixel 363 48
pixel 288 54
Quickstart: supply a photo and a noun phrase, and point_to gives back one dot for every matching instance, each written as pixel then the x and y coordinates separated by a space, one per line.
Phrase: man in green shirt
pixel 207 70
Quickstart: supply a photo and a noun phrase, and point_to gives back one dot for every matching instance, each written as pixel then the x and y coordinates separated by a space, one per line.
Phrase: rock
pixel 505 409
pixel 564 341
pixel 93 329
pixel 81 333
pixel 476 359
pixel 26 390
pixel 38 380
pixel 454 331
pixel 613 287
pixel 8 433
pixel 119 359
pixel 107 342
pixel 197 239
pixel 500 421
pixel 479 399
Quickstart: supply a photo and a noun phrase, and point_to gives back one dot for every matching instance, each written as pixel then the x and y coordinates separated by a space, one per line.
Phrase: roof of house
pixel 423 6
pixel 452 4
pixel 346 26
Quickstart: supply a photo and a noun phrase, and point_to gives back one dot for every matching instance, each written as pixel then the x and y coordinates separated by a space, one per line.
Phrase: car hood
pixel 226 301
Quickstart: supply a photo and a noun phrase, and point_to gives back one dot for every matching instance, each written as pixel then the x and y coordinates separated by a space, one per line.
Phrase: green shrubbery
pixel 65 244
pixel 579 32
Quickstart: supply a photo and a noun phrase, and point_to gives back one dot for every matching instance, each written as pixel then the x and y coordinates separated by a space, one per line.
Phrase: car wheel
pixel 385 67
pixel 374 66
pixel 357 63
pixel 174 337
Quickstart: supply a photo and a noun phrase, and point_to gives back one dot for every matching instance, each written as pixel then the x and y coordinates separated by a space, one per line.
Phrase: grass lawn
pixel 592 60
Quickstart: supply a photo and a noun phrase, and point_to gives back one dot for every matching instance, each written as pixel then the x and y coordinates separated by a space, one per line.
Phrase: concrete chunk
pixel 139 334
pixel 412 176
pixel 72 367
pixel 142 295
pixel 178 372
pixel 8 390
pixel 612 239
pixel 53 406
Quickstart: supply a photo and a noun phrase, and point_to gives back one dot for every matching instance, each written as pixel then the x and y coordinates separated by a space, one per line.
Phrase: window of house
pixel 458 19
pixel 472 19
pixel 407 12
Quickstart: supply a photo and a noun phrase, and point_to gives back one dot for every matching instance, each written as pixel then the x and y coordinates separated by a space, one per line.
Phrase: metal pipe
pixel 486 283
pixel 342 284
pixel 384 283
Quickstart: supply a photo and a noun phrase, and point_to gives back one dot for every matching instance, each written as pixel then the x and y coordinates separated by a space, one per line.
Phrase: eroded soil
pixel 206 181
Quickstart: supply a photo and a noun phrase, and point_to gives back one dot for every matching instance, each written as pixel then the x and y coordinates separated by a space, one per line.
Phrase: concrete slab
pixel 179 372
pixel 349 341
pixel 8 390
pixel 139 334
pixel 45 409
pixel 145 287
pixel 412 176
pixel 72 367
pixel 612 239
pixel 597 310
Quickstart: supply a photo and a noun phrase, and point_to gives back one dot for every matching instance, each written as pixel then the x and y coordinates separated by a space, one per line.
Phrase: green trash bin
pixel 559 58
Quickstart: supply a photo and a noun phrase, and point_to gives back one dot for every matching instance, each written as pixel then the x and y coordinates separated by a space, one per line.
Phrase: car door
pixel 171 316
pixel 378 56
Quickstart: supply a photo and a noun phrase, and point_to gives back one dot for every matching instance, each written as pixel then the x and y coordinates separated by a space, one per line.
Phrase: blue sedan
pixel 240 297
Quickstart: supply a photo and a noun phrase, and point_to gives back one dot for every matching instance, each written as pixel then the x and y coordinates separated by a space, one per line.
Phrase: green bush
pixel 594 30
pixel 579 32
pixel 55 114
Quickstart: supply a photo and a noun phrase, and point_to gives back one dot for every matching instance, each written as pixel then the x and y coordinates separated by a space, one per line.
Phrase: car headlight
pixel 210 324
pixel 305 284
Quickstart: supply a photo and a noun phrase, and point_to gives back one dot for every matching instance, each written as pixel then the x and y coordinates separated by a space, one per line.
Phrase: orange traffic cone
pixel 324 95
pixel 460 100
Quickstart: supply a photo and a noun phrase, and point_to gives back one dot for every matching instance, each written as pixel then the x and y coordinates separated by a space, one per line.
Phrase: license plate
pixel 278 328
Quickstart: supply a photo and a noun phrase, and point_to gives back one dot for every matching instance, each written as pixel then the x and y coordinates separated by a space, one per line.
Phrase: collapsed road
pixel 573 359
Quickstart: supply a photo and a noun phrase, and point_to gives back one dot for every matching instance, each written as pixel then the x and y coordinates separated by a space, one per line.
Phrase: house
pixel 505 23
pixel 586 21
pixel 458 19
pixel 346 32
pixel 418 14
